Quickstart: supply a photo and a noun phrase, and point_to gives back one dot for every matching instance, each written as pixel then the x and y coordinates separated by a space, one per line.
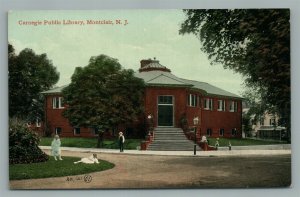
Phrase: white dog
pixel 90 160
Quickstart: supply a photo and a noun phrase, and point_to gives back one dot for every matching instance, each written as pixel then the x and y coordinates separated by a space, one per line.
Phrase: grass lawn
pixel 130 144
pixel 242 142
pixel 53 168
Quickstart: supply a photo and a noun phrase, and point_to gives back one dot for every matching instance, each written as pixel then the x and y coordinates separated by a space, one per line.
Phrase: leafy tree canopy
pixel 103 95
pixel 253 42
pixel 29 75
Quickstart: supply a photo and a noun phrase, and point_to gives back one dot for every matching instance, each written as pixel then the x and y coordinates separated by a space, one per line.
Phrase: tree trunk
pixel 100 139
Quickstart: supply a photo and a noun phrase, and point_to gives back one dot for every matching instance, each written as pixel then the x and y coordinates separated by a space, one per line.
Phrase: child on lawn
pixel 89 160
pixel 55 148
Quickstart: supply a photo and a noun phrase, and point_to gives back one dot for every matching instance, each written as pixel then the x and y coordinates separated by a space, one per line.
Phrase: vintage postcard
pixel 157 99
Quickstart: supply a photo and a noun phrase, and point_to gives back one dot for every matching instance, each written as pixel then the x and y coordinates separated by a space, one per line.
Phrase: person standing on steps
pixel 121 141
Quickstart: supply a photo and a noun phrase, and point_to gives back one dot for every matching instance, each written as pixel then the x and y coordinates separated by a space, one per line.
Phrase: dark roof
pixel 54 90
pixel 210 89
pixel 161 78
pixel 158 77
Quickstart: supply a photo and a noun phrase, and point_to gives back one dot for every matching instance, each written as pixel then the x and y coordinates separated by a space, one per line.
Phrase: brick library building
pixel 172 103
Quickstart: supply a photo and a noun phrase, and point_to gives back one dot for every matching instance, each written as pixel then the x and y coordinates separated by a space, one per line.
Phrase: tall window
pixel 76 131
pixel 208 132
pixel 272 122
pixel 262 121
pixel 95 131
pixel 58 130
pixel 221 105
pixel 233 132
pixel 208 104
pixel 192 100
pixel 221 133
pixel 199 101
pixel 233 106
pixel 57 102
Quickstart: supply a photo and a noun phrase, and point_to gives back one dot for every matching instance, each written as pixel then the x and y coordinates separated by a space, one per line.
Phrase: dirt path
pixel 145 171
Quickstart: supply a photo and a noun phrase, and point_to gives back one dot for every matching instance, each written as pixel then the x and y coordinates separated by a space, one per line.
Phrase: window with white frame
pixel 221 133
pixel 208 132
pixel 272 122
pixel 58 130
pixel 199 101
pixel 57 102
pixel 76 131
pixel 221 105
pixel 192 100
pixel 234 132
pixel 208 104
pixel 95 131
pixel 262 121
pixel 233 106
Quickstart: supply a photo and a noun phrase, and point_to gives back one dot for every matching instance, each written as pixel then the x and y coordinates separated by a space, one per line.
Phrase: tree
pixel 255 97
pixel 102 95
pixel 246 121
pixel 29 75
pixel 253 42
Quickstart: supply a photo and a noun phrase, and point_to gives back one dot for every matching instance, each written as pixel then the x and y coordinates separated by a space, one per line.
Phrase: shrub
pixel 23 144
pixel 47 130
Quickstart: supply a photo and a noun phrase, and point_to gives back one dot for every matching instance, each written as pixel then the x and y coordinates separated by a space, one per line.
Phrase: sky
pixel 142 34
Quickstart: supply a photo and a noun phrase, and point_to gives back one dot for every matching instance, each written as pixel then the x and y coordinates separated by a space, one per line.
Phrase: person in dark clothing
pixel 121 141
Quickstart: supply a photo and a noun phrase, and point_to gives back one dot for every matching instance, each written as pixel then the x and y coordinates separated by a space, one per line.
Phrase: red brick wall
pixel 55 119
pixel 226 120
pixel 214 119
pixel 194 111
pixel 179 102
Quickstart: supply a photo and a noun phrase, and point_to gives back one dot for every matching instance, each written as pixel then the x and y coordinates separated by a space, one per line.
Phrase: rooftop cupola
pixel 151 65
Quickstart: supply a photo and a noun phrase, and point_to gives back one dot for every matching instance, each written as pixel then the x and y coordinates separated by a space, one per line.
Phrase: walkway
pixel 223 151
pixel 137 169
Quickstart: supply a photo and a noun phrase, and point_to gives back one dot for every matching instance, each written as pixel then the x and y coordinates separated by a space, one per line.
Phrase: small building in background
pixel 267 127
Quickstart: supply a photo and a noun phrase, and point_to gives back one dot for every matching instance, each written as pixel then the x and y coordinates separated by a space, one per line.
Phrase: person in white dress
pixel 55 148
pixel 203 139
pixel 88 160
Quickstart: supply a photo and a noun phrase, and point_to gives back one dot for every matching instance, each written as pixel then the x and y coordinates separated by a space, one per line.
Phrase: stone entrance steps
pixel 171 139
